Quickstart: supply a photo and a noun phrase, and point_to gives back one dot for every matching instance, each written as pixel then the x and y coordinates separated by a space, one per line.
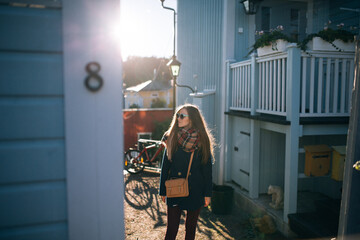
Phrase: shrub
pixel 134 105
pixel 158 103
pixel 160 128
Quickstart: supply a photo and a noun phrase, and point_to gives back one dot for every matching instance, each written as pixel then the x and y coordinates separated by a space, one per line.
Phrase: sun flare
pixel 145 31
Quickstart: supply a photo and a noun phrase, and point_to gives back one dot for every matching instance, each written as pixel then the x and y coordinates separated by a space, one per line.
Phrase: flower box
pixel 279 46
pixel 318 44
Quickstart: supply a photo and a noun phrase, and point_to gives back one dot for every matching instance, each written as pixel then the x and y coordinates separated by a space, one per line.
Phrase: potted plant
pixel 329 39
pixel 271 42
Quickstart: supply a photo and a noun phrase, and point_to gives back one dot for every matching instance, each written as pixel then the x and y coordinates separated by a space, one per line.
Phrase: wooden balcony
pixel 314 83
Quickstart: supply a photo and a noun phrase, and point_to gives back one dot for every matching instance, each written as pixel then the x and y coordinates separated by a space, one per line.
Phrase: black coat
pixel 200 178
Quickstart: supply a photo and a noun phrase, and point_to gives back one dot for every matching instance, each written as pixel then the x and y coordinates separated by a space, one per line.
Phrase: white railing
pixel 262 85
pixel 241 86
pixel 326 84
pixel 272 84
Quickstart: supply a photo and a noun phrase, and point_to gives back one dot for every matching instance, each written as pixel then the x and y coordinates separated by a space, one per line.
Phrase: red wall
pixel 141 120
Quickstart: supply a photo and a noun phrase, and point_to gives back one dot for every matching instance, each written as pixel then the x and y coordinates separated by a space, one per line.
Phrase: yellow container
pixel 338 160
pixel 317 160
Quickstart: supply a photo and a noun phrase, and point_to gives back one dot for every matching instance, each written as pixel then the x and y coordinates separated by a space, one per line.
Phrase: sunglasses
pixel 181 116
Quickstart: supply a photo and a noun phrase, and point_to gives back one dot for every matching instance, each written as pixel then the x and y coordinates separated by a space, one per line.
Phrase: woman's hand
pixel 207 201
pixel 163 198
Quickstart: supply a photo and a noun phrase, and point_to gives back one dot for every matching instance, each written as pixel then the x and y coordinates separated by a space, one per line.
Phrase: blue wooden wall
pixel 349 18
pixel 32 153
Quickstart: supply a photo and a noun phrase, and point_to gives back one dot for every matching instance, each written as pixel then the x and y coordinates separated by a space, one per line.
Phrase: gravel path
pixel 145 215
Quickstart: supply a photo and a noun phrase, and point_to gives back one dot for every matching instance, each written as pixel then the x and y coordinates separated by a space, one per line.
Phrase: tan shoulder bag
pixel 179 187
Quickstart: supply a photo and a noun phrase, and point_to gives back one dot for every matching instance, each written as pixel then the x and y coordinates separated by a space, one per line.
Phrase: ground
pixel 145 215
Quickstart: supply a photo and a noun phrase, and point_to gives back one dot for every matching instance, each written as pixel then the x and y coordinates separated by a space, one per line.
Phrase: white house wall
pixel 199 46
pixel 272 159
pixel 94 120
pixel 199 42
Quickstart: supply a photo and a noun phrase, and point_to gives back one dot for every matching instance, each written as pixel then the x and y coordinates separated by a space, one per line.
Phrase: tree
pixel 140 69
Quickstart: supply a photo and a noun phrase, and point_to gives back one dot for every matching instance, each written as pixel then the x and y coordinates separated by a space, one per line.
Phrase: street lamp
pixel 174 66
pixel 251 6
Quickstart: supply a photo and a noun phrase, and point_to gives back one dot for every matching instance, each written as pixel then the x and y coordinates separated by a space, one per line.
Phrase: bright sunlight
pixel 146 28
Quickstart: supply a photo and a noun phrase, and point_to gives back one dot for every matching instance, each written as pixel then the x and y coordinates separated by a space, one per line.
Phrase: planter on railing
pixel 318 44
pixel 279 46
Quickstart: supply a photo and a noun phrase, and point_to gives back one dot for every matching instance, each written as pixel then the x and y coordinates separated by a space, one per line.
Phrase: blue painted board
pixel 53 231
pixel 32 204
pixel 23 118
pixel 30 29
pixel 47 3
pixel 30 74
pixel 33 161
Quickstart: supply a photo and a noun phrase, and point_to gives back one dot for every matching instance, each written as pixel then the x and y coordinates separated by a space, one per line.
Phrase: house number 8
pixel 93 81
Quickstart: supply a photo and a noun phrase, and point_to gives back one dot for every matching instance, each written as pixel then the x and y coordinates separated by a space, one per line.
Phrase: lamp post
pixel 174 64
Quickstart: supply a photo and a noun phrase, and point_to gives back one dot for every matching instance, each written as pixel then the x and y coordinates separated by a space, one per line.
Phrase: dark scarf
pixel 188 139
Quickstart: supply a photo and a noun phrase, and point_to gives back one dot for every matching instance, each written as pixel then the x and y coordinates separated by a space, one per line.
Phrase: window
pixel 144 135
pixel 294 24
pixel 265 19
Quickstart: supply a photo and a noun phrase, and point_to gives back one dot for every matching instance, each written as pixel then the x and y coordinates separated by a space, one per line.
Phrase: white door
pixel 240 168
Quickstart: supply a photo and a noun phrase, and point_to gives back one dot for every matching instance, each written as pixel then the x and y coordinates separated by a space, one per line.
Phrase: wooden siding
pixel 32 153
pixel 30 29
pixel 30 74
pixel 199 45
pixel 272 159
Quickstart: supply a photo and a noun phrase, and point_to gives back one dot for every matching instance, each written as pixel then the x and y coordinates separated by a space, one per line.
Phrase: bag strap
pixel 191 158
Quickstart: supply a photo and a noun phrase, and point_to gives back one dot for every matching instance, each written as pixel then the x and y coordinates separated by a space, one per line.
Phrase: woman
pixel 187 133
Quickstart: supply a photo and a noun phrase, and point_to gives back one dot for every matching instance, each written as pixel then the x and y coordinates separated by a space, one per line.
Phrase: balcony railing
pixel 322 80
pixel 326 83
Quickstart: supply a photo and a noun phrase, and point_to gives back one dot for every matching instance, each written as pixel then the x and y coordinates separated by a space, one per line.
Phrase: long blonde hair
pixel 197 121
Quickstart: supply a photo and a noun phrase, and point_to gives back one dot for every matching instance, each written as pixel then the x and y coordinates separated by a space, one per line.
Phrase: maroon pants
pixel 173 221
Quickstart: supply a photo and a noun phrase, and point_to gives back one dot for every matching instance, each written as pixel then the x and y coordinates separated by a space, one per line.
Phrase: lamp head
pixel 251 6
pixel 174 66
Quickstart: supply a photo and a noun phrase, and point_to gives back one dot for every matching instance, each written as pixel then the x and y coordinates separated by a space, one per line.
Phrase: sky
pixel 146 28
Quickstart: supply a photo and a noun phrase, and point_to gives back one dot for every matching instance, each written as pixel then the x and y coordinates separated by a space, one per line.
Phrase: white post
pixel 254 84
pixel 93 121
pixel 228 53
pixel 254 159
pixel 292 133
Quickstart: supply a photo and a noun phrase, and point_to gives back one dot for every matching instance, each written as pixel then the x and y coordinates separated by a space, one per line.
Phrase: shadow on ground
pixel 141 193
pixel 141 196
